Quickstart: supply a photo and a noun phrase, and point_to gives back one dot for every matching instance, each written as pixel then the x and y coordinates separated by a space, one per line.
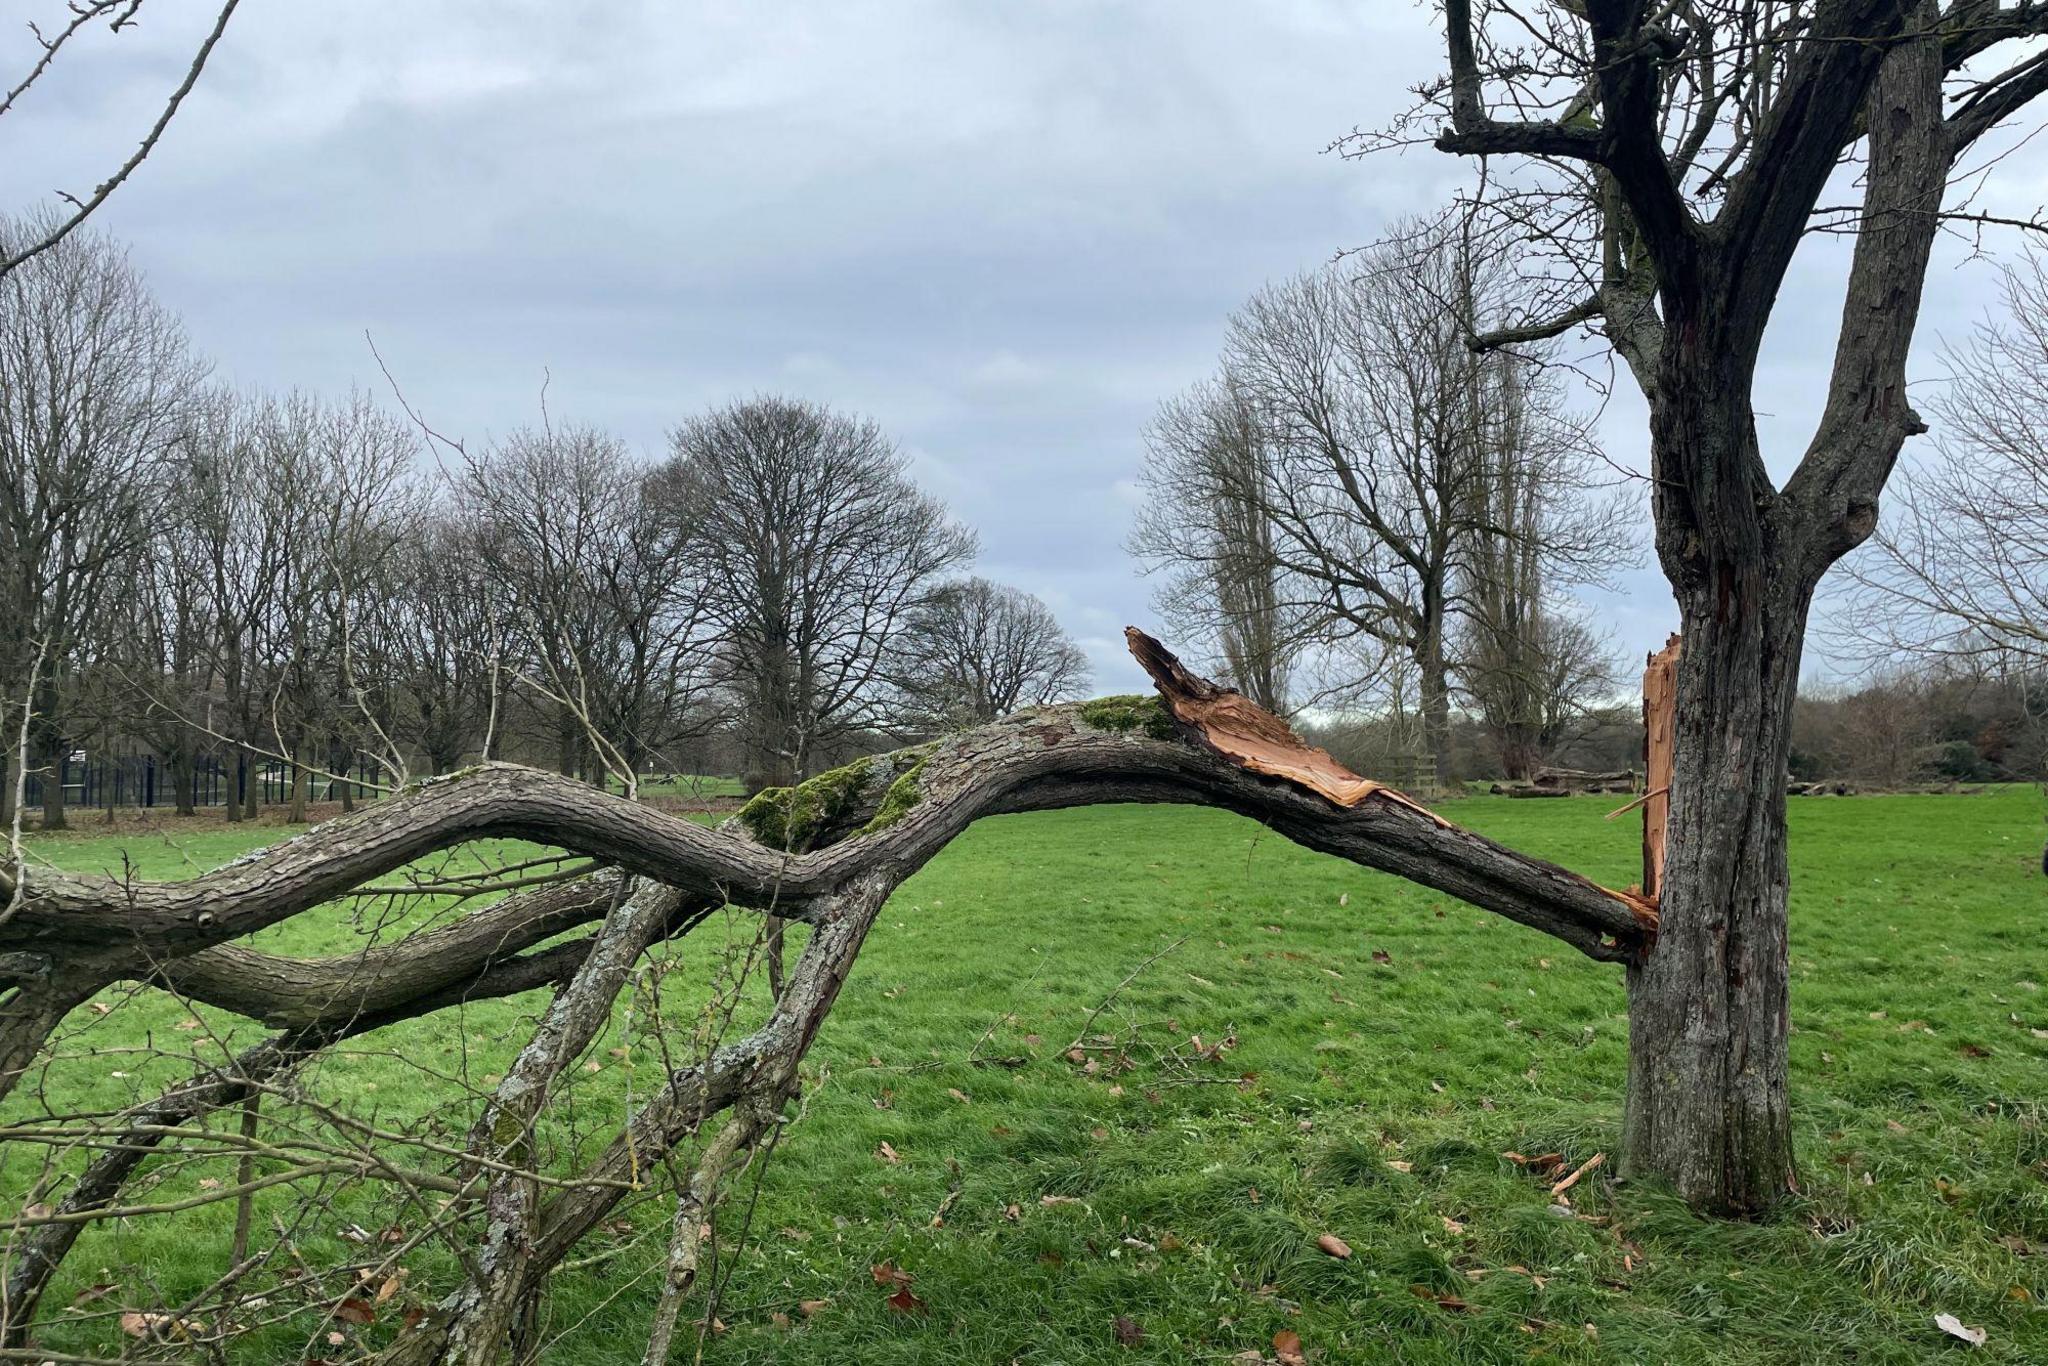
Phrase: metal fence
pixel 142 780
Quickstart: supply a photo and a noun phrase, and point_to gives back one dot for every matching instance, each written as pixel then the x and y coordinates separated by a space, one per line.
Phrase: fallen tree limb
pixel 827 853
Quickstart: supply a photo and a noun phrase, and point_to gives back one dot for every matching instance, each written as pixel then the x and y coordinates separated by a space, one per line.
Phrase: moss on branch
pixel 787 817
pixel 903 794
pixel 1129 713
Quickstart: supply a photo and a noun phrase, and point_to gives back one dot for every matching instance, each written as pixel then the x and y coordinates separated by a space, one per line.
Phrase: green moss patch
pixel 1129 712
pixel 787 817
pixel 903 794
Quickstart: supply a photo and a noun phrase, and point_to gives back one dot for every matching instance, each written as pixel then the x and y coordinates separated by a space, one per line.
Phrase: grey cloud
pixel 1005 231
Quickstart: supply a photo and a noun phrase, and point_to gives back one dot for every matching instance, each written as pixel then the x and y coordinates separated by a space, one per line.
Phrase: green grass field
pixel 1385 1047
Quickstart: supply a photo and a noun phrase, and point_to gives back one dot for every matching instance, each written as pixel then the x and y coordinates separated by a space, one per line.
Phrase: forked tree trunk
pixel 1706 1106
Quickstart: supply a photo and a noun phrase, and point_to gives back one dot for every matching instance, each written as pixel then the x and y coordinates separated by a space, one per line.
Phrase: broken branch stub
pixel 1251 737
pixel 1660 747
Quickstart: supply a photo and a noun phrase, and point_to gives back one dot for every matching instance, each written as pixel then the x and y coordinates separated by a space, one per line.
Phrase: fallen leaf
pixel 1402 1166
pixel 1334 1246
pixel 1956 1328
pixel 1382 956
pixel 780 1320
pixel 190 1022
pixel 887 1153
pixel 810 1309
pixel 903 1302
pixel 1452 1226
pixel 1127 1330
pixel 355 1311
pixel 1059 1199
pixel 1287 1347
pixel 959 1095
pixel 137 1324
pixel 888 1273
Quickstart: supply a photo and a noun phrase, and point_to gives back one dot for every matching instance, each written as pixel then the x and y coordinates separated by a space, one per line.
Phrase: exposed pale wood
pixel 1248 735
pixel 1660 740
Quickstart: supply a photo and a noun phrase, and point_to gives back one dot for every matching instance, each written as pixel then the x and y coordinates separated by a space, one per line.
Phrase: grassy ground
pixel 1384 1047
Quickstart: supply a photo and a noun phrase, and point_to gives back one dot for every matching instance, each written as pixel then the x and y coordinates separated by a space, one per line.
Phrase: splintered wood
pixel 1250 736
pixel 1660 741
pixel 1253 738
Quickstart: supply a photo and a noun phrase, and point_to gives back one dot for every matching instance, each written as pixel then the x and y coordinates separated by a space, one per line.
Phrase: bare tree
pixel 443 630
pixel 1205 530
pixel 814 551
pixel 1524 658
pixel 1354 446
pixel 598 586
pixel 1654 168
pixel 92 375
pixel 226 509
pixel 979 650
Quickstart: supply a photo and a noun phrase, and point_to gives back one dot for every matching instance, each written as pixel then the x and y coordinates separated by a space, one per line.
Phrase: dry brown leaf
pixel 810 1309
pixel 355 1311
pixel 887 1153
pixel 1287 1347
pixel 1334 1246
pixel 1127 1330
pixel 903 1302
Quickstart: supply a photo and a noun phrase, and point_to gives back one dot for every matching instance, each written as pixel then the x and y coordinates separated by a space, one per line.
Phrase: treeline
pixel 317 582
pixel 1929 724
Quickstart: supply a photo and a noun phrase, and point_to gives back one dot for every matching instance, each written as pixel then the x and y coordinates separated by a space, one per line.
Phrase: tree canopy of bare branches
pixel 92 376
pixel 1357 476
pixel 814 551
pixel 1958 567
pixel 978 650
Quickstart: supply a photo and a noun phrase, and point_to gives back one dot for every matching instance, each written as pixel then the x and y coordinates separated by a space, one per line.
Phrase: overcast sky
pixel 1003 230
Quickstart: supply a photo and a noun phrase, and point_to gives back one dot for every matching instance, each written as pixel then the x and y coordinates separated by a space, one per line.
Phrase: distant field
pixel 1387 1045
